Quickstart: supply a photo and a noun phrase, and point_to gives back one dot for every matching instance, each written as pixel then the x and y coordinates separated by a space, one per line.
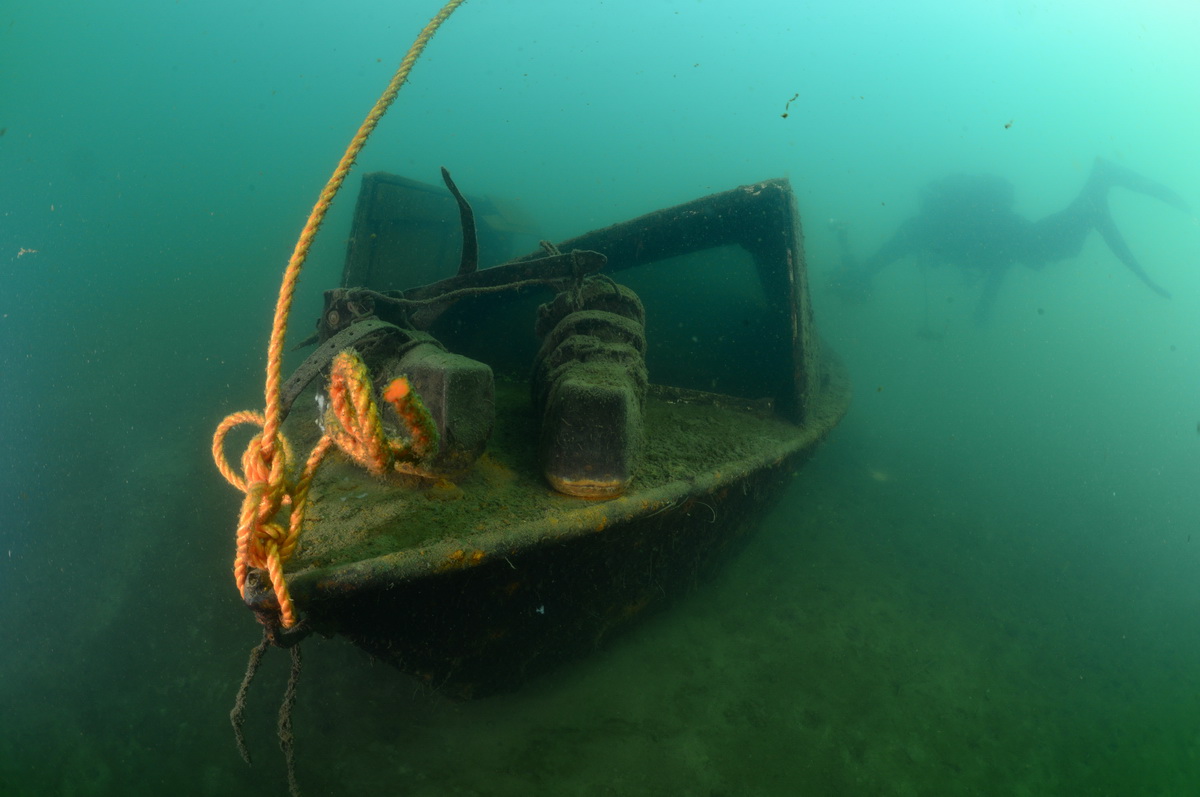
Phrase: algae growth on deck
pixel 504 501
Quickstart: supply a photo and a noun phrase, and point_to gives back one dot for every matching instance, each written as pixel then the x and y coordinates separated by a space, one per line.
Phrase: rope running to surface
pixel 261 542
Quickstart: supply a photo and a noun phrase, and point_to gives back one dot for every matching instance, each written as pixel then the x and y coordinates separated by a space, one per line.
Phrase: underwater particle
pixel 1041 311
pixel 1008 124
pixel 788 104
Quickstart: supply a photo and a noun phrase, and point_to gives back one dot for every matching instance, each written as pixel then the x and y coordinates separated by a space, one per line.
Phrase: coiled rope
pixel 261 541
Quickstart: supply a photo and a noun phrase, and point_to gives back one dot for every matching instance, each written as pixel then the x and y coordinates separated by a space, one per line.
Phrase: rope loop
pixel 354 424
pixel 353 418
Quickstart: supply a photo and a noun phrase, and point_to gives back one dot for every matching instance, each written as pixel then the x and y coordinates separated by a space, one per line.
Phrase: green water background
pixel 985 583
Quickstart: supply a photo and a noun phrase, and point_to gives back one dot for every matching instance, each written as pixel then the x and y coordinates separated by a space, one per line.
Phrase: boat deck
pixel 695 443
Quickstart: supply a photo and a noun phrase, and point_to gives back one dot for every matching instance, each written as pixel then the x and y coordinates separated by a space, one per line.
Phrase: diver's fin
pixel 1090 208
pixel 1116 244
pixel 1106 174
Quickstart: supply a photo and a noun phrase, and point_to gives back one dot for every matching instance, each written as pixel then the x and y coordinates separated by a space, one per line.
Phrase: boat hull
pixel 480 614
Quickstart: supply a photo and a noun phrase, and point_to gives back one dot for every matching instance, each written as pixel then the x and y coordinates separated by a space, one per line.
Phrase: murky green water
pixel 984 583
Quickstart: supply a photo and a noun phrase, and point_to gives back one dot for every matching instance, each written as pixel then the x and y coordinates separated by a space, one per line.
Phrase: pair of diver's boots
pixel 589 384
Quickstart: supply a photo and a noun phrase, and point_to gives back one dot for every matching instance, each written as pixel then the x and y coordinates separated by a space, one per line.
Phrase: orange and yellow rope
pixel 416 419
pixel 354 424
pixel 262 542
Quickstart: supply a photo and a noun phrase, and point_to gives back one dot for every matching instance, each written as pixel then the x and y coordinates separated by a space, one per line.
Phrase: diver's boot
pixel 589 383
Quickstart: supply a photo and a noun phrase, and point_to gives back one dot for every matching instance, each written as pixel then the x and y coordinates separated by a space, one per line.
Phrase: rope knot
pixel 261 541
pixel 265 474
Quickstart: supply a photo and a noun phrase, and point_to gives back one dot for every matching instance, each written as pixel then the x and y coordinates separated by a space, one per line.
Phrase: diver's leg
pixel 991 289
pixel 1060 235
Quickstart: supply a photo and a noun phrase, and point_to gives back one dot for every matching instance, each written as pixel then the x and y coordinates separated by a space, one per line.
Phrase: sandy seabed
pixel 879 636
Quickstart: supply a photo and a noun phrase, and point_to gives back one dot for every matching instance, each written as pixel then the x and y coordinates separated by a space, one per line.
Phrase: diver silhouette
pixel 968 221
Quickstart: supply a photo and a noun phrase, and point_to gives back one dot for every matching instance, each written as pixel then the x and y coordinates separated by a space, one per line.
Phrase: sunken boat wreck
pixel 577 435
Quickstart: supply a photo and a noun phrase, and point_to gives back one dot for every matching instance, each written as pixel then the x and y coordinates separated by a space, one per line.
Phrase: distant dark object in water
pixel 968 221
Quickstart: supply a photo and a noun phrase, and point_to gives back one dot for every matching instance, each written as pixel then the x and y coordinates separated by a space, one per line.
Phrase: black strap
pixel 320 359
